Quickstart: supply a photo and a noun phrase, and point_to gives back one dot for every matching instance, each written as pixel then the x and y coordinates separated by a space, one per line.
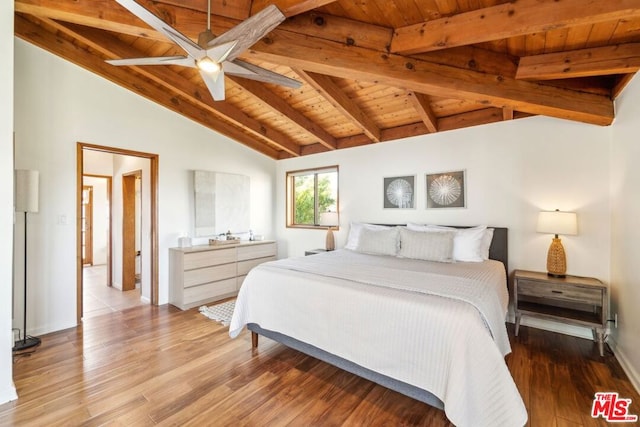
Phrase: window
pixel 310 193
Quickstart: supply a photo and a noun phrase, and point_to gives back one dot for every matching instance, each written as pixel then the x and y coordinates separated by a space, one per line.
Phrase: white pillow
pixel 487 238
pixel 378 241
pixel 467 243
pixel 432 245
pixel 354 233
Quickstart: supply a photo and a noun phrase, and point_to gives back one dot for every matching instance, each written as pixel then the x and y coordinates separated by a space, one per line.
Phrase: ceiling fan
pixel 214 56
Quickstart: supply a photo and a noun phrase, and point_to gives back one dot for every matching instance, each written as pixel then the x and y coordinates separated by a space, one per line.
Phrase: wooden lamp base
pixel 556 259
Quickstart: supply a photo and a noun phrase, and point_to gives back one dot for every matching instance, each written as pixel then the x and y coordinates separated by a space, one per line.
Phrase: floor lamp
pixel 26 200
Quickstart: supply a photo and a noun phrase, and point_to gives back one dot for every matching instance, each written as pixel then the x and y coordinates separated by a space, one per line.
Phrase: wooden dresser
pixel 202 274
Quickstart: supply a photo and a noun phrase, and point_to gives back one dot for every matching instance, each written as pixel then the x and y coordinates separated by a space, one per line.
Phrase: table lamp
pixel 330 219
pixel 557 222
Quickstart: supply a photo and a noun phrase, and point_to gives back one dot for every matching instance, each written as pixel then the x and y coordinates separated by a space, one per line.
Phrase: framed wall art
pixel 399 192
pixel 221 202
pixel 446 190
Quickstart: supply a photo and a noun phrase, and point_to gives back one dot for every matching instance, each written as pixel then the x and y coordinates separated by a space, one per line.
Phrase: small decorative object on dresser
pixel 575 300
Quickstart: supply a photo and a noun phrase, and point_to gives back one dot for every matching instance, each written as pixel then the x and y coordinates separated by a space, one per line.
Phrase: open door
pixel 131 189
pixel 87 225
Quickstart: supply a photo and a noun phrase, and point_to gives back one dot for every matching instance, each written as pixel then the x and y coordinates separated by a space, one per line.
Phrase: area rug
pixel 221 313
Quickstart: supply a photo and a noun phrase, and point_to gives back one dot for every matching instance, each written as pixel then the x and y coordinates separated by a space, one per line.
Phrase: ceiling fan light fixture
pixel 208 65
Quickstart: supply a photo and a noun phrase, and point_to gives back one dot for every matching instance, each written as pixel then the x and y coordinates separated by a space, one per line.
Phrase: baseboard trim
pixel 624 361
pixel 8 394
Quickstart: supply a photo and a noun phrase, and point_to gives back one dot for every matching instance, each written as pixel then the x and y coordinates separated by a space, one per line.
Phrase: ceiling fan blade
pixel 248 32
pixel 215 84
pixel 220 52
pixel 180 39
pixel 246 70
pixel 185 61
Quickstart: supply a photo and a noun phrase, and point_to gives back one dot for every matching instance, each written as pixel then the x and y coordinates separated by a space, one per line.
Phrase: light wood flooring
pixel 146 365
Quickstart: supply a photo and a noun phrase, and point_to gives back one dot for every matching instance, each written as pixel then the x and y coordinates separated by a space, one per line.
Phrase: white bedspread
pixel 397 317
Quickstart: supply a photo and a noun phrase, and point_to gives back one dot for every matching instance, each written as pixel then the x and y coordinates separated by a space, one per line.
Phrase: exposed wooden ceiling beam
pixel 598 61
pixel 621 84
pixel 334 95
pixel 59 46
pixel 289 7
pixel 191 21
pixel 163 76
pixel 281 107
pixel 355 63
pixel 423 108
pixel 237 9
pixel 338 29
pixel 468 119
pixel 507 114
pixel 507 20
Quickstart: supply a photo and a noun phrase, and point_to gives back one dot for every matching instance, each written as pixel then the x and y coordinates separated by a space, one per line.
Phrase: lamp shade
pixel 557 222
pixel 26 190
pixel 329 218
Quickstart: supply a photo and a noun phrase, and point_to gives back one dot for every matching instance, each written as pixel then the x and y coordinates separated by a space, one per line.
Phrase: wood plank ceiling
pixel 372 70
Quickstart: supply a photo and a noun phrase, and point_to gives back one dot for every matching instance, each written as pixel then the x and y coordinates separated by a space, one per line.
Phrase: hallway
pixel 98 298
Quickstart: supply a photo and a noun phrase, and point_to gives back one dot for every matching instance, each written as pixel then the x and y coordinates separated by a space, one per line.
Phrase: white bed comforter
pixel 439 327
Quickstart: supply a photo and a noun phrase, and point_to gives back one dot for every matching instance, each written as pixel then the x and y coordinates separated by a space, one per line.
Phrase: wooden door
pixel 87 225
pixel 129 231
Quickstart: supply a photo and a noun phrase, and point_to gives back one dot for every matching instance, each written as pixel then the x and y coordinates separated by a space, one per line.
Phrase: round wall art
pixel 399 192
pixel 446 190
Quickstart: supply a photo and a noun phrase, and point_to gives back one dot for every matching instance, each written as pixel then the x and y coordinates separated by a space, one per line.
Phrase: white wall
pixel 513 170
pixel 7 389
pixel 55 110
pixel 625 246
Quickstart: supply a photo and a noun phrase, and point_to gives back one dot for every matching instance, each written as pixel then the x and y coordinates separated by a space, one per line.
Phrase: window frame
pixel 290 201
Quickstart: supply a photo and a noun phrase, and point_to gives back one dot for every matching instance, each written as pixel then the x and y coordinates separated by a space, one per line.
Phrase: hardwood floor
pixel 145 365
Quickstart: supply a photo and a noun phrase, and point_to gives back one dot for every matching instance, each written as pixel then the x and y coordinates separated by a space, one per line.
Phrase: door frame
pixel 153 185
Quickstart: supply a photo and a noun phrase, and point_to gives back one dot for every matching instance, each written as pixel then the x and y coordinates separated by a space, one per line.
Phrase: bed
pixel 432 330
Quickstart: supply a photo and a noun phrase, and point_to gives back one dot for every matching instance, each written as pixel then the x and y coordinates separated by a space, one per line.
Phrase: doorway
pixel 150 239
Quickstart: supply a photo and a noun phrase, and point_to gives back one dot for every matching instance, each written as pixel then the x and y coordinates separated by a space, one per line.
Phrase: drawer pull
pixel 556 292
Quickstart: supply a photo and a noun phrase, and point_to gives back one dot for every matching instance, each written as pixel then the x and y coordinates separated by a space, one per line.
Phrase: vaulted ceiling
pixel 372 70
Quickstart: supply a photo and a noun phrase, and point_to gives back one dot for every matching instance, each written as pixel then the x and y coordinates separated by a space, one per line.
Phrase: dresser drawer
pixel 245 266
pixel 560 292
pixel 209 274
pixel 256 251
pixel 209 291
pixel 206 258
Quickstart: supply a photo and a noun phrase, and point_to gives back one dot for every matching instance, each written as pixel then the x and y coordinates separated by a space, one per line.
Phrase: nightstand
pixel 315 251
pixel 575 300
